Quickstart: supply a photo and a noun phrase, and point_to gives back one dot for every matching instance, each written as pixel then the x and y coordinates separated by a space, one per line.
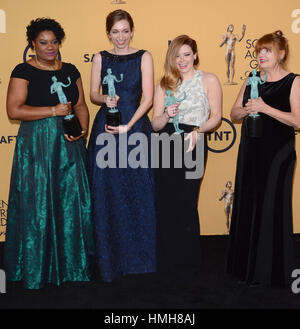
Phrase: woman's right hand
pixel 63 109
pixel 172 110
pixel 111 102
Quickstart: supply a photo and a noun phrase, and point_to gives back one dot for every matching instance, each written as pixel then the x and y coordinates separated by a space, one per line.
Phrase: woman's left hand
pixel 74 139
pixel 122 129
pixel 255 105
pixel 193 138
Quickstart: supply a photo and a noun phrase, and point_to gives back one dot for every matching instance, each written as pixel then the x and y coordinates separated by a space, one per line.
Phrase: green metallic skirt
pixel 49 236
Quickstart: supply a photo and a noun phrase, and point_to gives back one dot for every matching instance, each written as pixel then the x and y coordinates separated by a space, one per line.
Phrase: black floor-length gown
pixel 178 230
pixel 261 233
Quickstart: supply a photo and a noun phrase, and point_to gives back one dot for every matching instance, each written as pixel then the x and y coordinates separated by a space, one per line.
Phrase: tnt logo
pixel 2 282
pixel 2 21
pixel 222 139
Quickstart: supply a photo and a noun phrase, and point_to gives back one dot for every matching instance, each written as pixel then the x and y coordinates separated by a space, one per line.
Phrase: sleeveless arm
pixel 238 112
pixel 17 95
pixel 289 118
pixel 215 98
pixel 147 87
pixel 95 86
pixel 159 116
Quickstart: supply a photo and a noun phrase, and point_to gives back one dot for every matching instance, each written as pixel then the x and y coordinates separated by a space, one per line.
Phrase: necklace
pixel 48 67
pixel 115 53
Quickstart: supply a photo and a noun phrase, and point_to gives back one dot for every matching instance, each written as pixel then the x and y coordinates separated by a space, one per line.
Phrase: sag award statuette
pixel 70 122
pixel 113 115
pixel 254 120
pixel 170 100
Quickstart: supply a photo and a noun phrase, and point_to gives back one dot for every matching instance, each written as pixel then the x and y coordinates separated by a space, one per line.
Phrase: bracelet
pixel 53 111
pixel 197 129
pixel 167 114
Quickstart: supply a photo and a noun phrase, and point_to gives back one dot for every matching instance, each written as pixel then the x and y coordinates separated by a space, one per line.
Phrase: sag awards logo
pixel 222 139
pixel 118 2
pixel 7 139
pixel 88 58
pixel 250 56
pixel 3 218
pixel 229 41
pixel 29 53
pixel 227 196
pixel 2 21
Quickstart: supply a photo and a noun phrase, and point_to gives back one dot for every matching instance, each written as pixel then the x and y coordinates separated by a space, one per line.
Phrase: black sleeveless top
pixel 277 95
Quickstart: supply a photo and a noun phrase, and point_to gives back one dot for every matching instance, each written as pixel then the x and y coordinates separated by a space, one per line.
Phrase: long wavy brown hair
pixel 171 78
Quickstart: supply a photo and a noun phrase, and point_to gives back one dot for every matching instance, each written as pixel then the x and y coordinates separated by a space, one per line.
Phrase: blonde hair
pixel 171 78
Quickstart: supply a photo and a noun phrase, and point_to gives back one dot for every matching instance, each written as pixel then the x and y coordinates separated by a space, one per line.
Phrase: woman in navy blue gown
pixel 122 195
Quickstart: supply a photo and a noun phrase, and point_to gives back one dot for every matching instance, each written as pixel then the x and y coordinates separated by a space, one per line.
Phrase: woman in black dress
pixel 178 231
pixel 49 237
pixel 261 234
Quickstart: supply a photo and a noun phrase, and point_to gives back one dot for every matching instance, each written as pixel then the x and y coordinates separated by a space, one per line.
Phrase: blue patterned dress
pixel 122 198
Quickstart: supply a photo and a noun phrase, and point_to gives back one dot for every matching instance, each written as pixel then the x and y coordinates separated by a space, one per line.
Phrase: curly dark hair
pixel 38 25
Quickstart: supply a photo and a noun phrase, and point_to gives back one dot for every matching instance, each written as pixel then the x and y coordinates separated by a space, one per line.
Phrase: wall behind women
pixel 156 22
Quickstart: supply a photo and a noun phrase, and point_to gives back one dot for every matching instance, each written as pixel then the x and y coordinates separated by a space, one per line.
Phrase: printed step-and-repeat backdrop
pixel 221 28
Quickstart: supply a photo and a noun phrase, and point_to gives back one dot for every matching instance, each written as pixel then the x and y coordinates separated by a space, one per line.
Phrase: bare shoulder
pixel 147 57
pixel 147 62
pixel 210 77
pixel 295 86
pixel 97 58
pixel 210 81
pixel 297 80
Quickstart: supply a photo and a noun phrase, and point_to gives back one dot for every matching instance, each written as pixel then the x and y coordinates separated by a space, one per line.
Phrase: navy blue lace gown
pixel 122 198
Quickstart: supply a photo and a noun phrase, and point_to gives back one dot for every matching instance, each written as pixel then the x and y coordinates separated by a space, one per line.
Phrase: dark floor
pixel 211 289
